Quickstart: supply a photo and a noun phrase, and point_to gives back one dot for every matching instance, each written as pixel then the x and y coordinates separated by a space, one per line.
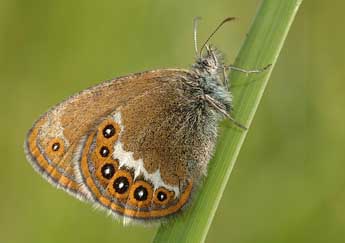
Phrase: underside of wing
pixel 53 143
pixel 143 160
pixel 135 146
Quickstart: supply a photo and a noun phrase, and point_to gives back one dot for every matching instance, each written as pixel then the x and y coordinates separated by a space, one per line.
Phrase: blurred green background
pixel 288 184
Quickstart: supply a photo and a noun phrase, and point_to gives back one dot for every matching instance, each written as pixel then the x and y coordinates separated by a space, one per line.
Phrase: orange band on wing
pixel 38 159
pixel 157 213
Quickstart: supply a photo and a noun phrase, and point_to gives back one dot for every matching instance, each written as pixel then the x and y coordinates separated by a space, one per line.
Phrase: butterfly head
pixel 210 63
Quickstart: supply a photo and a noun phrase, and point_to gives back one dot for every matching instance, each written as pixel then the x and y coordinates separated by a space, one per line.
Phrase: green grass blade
pixel 261 47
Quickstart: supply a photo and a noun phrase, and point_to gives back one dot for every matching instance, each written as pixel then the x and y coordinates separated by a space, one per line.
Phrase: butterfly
pixel 137 146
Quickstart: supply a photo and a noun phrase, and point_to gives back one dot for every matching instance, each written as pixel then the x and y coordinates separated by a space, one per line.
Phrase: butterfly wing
pixel 135 146
pixel 52 143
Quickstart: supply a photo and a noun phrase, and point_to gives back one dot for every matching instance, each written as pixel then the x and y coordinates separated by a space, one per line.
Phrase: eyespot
pixel 140 194
pixel 109 131
pixel 104 151
pixel 121 184
pixel 162 196
pixel 108 171
pixel 55 147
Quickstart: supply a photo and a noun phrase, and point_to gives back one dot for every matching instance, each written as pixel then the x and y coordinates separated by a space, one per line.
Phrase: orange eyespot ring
pixel 120 185
pixel 140 194
pixel 162 196
pixel 55 147
pixel 108 132
pixel 106 171
pixel 101 154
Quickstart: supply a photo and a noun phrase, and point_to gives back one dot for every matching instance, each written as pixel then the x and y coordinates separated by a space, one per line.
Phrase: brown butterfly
pixel 136 145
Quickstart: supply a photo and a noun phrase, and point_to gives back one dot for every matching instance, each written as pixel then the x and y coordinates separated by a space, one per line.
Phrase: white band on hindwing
pixel 126 160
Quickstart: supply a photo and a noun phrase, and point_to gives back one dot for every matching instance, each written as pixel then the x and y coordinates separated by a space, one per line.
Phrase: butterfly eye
pixel 205 63
pixel 109 131
pixel 121 184
pixel 108 171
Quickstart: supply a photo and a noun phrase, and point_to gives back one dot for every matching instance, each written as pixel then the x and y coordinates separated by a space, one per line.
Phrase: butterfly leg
pixel 226 82
pixel 248 71
pixel 218 106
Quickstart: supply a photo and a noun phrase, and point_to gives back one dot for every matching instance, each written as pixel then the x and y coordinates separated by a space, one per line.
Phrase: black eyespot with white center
pixel 56 146
pixel 109 131
pixel 108 171
pixel 121 184
pixel 140 193
pixel 161 196
pixel 104 151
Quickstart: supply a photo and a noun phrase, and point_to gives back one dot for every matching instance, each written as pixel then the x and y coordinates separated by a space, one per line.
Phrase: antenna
pixel 215 31
pixel 195 30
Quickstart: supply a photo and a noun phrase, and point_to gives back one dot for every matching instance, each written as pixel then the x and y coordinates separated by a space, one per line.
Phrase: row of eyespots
pixel 141 191
pixel 108 132
pixel 121 184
